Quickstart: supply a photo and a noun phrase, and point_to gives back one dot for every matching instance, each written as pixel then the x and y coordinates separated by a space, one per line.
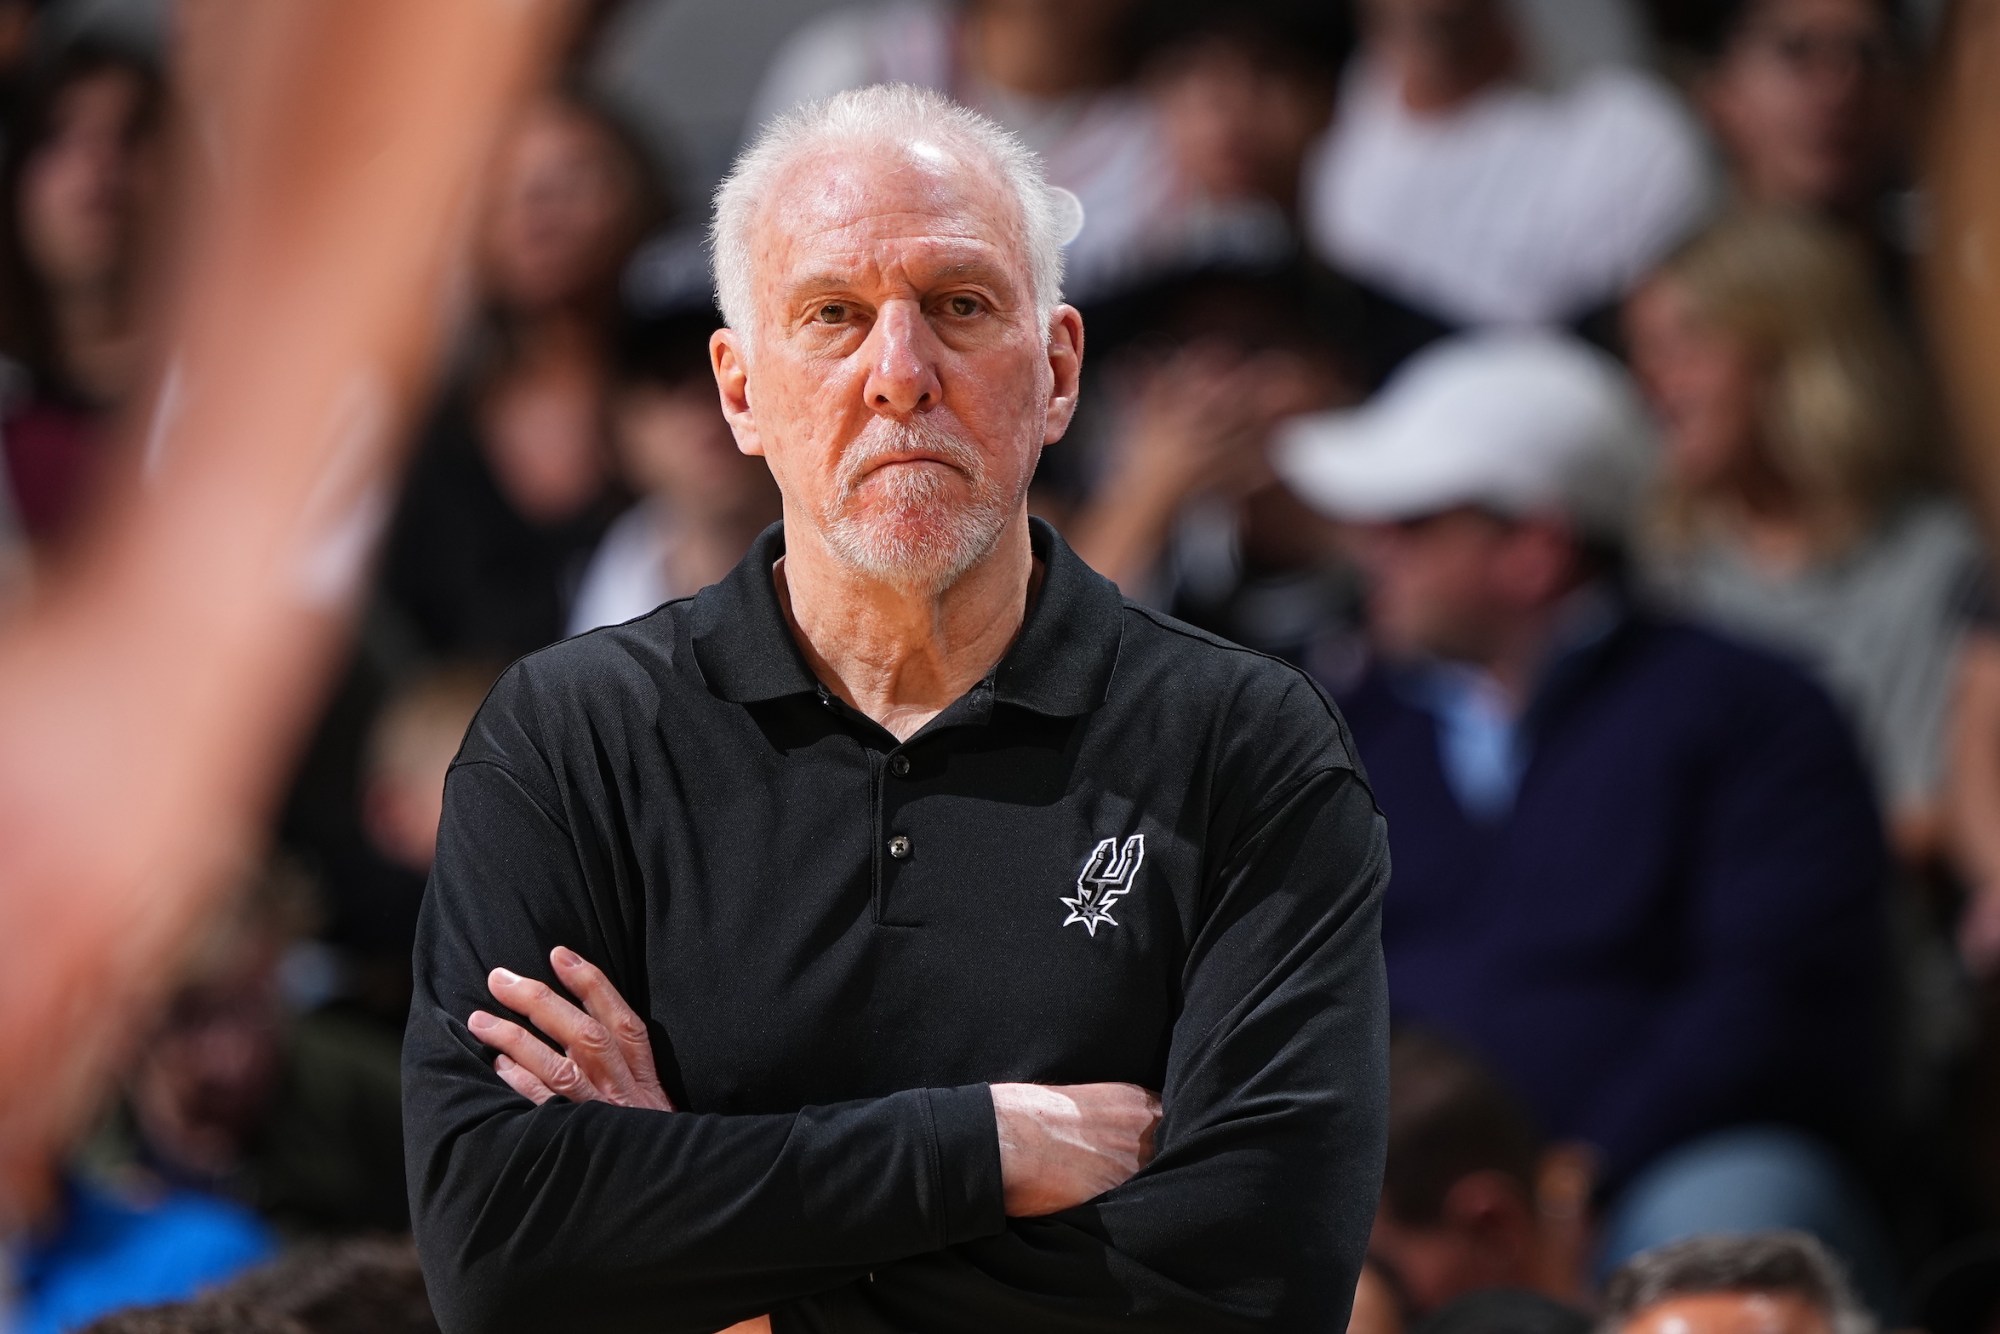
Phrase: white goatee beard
pixel 914 535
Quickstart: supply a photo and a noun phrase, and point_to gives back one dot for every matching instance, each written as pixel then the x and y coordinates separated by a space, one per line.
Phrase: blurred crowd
pixel 1547 377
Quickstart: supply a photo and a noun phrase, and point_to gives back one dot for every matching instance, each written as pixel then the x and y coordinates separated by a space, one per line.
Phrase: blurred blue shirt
pixel 109 1252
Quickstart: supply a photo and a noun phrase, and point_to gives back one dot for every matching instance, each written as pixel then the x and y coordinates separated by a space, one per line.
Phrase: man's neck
pixel 898 654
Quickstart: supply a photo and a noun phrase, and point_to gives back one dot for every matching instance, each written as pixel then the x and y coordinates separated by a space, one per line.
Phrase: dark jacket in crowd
pixel 469 575
pixel 1678 926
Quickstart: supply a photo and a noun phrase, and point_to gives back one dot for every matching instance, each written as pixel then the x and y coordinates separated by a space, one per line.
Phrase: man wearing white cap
pixel 1637 865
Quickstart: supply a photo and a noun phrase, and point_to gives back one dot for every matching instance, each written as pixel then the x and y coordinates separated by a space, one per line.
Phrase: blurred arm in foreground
pixel 150 695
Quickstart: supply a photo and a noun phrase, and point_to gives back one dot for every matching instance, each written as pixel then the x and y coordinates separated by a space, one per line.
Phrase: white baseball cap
pixel 1521 422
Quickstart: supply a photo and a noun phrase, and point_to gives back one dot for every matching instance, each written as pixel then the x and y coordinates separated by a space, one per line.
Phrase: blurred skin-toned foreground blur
pixel 154 687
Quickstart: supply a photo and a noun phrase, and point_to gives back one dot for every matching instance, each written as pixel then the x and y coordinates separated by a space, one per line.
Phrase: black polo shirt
pixel 1132 852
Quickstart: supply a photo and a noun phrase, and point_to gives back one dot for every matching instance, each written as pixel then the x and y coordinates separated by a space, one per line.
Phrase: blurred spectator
pixel 202 1317
pixel 77 176
pixel 513 487
pixel 1506 1311
pixel 1472 1200
pixel 1452 186
pixel 1771 1282
pixel 1638 866
pixel 363 1285
pixel 1243 92
pixel 702 500
pixel 1053 71
pixel 1562 39
pixel 96 1250
pixel 1801 509
pixel 17 33
pixel 1180 509
pixel 297 1117
pixel 360 1286
pixel 373 892
pixel 1811 102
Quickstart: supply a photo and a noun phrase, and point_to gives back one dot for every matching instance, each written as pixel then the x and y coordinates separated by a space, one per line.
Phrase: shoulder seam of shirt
pixel 1173 627
pixel 1258 819
pixel 516 780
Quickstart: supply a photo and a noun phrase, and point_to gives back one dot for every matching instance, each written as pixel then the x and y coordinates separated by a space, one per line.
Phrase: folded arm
pixel 1255 1213
pixel 658 1220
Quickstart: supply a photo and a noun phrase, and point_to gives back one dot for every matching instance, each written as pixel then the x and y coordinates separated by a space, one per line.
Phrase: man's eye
pixel 963 305
pixel 831 313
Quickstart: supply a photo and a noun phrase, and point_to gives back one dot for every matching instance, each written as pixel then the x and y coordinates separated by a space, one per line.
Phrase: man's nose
pixel 902 362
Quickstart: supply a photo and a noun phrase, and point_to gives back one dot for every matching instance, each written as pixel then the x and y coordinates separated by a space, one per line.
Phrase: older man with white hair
pixel 922 858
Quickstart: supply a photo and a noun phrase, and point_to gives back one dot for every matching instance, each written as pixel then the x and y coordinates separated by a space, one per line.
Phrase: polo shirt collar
pixel 1059 665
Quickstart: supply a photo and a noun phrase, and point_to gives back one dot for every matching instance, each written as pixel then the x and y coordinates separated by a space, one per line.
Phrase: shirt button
pixel 899 847
pixel 899 765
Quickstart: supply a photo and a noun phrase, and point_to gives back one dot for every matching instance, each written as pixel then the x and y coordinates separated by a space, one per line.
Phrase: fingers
pixel 550 1069
pixel 628 1031
pixel 516 1077
pixel 584 1040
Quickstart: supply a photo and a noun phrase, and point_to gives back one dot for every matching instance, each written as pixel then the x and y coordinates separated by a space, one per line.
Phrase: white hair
pixel 893 114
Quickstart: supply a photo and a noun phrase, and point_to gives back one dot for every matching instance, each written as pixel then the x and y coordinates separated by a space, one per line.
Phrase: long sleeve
pixel 1779 1004
pixel 569 1216
pixel 1255 1214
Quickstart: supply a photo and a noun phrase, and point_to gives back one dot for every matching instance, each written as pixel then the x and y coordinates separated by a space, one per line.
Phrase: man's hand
pixel 606 1054
pixel 1059 1146
pixel 1064 1145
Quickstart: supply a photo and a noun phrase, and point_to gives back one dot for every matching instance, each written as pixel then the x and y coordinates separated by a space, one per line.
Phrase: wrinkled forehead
pixel 873 209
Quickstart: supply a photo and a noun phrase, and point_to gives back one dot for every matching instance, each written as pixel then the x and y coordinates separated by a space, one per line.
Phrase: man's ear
pixel 732 385
pixel 1066 362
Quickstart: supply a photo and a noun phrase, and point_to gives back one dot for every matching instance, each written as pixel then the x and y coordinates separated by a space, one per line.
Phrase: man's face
pixel 1808 100
pixel 897 378
pixel 1433 583
pixel 1731 1313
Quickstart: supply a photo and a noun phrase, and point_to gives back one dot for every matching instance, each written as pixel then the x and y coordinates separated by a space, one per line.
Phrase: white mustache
pixel 885 438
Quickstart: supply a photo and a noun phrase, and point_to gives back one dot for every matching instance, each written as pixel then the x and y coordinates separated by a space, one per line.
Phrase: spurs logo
pixel 1105 879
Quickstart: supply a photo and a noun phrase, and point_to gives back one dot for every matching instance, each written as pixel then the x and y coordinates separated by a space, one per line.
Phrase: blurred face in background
pixel 1484 1238
pixel 672 441
pixel 1808 100
pixel 1705 385
pixel 564 213
pixel 84 187
pixel 201 1084
pixel 1458 585
pixel 1239 123
pixel 1438 53
pixel 1092 22
pixel 1731 1313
